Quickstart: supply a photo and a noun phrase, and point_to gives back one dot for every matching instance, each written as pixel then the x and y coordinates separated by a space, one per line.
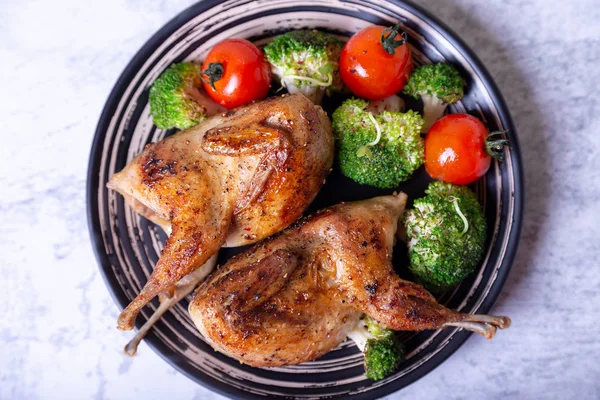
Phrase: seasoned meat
pixel 295 297
pixel 232 180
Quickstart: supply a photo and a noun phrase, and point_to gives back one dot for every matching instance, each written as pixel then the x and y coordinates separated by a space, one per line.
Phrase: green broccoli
pixel 174 97
pixel 306 62
pixel 437 85
pixel 381 149
pixel 446 232
pixel 380 346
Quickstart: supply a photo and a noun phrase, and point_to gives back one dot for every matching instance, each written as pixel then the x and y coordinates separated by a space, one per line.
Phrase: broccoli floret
pixel 382 357
pixel 380 150
pixel 437 85
pixel 446 232
pixel 380 346
pixel 174 97
pixel 306 62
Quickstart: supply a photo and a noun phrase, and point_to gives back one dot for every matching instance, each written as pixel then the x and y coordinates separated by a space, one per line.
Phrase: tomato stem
pixel 389 42
pixel 494 144
pixel 214 72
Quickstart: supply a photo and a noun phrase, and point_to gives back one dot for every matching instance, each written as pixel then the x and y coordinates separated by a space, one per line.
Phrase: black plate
pixel 127 246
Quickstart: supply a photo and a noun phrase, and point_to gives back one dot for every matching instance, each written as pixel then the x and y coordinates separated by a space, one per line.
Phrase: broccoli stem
pixel 377 128
pixel 363 151
pixel 433 109
pixel 461 215
pixel 360 335
pixel 314 93
pixel 392 103
pixel 308 79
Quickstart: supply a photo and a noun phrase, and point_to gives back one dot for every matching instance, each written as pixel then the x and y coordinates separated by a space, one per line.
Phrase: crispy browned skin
pixel 234 179
pixel 295 297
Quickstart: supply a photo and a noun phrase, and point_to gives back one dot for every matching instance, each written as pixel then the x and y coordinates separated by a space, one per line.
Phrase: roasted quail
pixel 232 180
pixel 295 297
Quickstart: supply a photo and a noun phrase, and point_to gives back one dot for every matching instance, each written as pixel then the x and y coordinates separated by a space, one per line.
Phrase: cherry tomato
pixel 235 72
pixel 459 149
pixel 375 63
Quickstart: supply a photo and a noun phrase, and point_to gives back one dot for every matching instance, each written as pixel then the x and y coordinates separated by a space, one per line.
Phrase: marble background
pixel 58 62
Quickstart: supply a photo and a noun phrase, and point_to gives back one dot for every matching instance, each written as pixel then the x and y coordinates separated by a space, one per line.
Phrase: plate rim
pixel 154 342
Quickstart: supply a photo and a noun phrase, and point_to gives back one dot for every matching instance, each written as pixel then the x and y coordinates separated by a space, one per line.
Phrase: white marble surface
pixel 58 62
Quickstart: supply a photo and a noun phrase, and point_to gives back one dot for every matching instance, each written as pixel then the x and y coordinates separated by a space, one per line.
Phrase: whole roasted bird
pixel 295 297
pixel 232 180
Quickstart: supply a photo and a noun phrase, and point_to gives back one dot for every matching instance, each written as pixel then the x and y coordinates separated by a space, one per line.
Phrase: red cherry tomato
pixel 375 64
pixel 459 149
pixel 235 72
